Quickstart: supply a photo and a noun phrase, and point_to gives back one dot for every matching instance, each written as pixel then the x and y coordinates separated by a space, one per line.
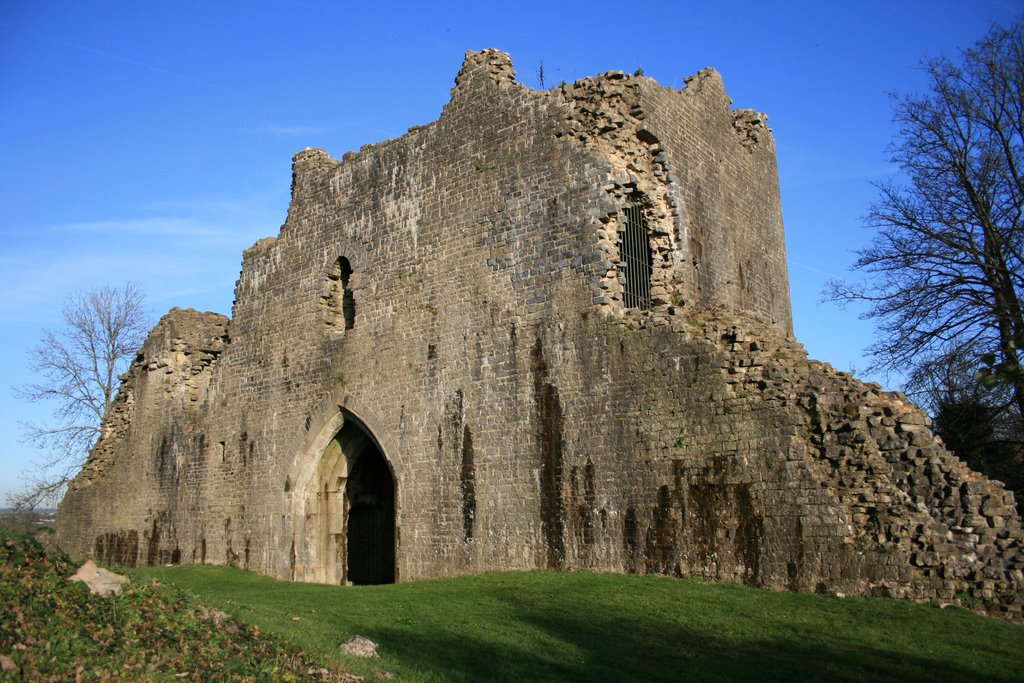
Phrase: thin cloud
pixel 36 281
pixel 34 293
pixel 108 55
pixel 163 252
pixel 286 130
pixel 257 214
pixel 813 269
pixel 153 226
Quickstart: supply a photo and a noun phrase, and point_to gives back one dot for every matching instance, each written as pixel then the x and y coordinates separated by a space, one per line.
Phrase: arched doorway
pixel 350 515
pixel 370 527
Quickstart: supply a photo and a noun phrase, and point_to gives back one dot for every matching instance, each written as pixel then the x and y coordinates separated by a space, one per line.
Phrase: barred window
pixel 635 257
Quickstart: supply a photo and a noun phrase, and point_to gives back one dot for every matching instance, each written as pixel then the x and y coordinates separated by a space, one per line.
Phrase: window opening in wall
pixel 339 301
pixel 635 255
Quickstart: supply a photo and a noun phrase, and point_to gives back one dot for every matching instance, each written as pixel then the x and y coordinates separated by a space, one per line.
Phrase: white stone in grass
pixel 360 647
pixel 99 580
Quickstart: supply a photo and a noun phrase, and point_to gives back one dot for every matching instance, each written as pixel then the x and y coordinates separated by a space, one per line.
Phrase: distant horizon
pixel 6 510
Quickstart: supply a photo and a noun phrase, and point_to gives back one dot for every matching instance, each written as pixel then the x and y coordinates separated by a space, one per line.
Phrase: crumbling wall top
pixel 495 64
pixel 184 329
pixel 704 80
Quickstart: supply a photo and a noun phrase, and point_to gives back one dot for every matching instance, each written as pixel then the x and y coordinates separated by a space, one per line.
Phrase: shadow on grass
pixel 606 649
pixel 585 627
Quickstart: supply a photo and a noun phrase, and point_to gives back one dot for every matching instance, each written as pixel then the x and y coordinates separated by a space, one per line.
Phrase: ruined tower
pixel 550 329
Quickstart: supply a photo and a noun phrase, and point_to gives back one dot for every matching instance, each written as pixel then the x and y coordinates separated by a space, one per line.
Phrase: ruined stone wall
pixel 713 204
pixel 130 486
pixel 731 213
pixel 453 301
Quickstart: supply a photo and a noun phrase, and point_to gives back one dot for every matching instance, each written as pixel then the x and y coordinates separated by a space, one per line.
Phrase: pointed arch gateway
pixel 350 513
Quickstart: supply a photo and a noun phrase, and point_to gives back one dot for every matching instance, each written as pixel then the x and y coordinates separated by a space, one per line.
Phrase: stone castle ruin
pixel 548 330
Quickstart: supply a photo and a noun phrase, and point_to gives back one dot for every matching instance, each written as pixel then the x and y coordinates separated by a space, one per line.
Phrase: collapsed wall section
pixel 751 463
pixel 123 507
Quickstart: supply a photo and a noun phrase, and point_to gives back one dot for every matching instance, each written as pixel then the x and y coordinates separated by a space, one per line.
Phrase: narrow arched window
pixel 635 256
pixel 338 302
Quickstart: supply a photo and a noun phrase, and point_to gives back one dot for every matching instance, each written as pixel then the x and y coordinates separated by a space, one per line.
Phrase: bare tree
pixel 78 366
pixel 945 266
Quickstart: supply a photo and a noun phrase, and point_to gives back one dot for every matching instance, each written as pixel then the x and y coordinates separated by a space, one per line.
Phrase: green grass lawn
pixel 547 626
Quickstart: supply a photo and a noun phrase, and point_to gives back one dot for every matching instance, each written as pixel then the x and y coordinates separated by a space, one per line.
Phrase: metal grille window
pixel 635 255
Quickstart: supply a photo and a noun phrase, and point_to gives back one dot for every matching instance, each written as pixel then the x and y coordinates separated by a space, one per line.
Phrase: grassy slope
pixel 586 627
pixel 53 629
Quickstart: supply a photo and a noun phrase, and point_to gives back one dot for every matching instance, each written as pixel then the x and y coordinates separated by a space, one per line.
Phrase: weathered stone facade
pixel 456 358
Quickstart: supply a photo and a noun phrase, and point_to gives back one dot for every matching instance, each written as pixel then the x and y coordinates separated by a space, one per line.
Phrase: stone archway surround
pixel 319 470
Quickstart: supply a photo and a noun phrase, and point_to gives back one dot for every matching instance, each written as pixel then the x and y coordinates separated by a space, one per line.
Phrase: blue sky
pixel 152 141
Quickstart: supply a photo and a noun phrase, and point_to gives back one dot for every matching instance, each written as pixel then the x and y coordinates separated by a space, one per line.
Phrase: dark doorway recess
pixel 370 492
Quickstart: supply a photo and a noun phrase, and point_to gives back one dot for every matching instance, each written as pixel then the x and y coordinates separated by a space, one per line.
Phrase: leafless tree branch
pixel 945 267
pixel 78 366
